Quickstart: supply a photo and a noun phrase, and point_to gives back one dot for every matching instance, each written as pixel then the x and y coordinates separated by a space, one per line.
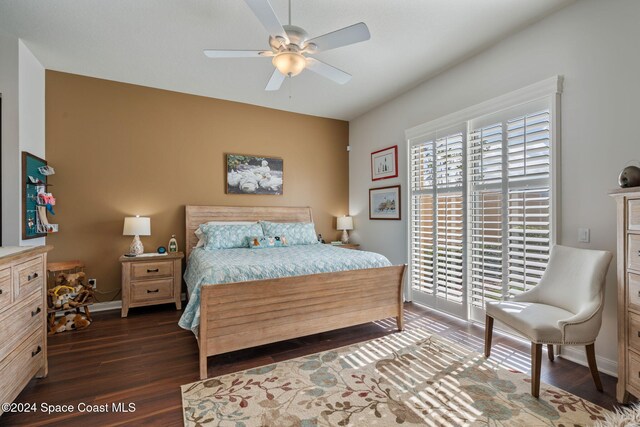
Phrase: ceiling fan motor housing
pixel 297 36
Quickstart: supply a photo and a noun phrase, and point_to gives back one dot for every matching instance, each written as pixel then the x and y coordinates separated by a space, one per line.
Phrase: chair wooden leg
pixel 550 352
pixel 536 360
pixel 488 334
pixel 593 367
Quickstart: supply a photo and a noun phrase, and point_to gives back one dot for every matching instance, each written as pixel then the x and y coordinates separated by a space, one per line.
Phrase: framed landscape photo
pixel 251 174
pixel 384 203
pixel 384 163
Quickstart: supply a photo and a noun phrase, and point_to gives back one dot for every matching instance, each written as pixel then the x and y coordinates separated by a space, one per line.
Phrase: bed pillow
pixel 202 240
pixel 229 236
pixel 262 242
pixel 297 233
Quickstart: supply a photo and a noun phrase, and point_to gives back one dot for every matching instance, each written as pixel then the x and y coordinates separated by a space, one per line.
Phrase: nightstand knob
pixel 38 310
pixel 38 350
pixel 153 292
pixel 155 270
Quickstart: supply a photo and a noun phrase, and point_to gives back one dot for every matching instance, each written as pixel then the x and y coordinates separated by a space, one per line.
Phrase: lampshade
pixel 137 226
pixel 289 63
pixel 345 223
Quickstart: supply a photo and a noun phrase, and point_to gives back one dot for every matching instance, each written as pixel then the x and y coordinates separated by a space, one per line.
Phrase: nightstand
pixel 150 280
pixel 355 246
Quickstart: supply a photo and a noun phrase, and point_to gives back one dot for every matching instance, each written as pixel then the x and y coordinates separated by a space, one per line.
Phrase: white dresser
pixel 23 327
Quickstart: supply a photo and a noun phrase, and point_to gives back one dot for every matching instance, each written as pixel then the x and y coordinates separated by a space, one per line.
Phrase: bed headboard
pixel 196 215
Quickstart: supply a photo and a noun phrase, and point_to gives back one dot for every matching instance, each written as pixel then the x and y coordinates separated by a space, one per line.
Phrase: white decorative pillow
pixel 202 241
pixel 298 233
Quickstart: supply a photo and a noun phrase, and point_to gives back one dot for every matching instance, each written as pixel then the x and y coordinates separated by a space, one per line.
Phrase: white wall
pixel 594 45
pixel 10 142
pixel 22 89
pixel 31 113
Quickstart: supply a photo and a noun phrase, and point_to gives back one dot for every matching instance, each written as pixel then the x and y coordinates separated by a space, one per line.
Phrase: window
pixel 481 223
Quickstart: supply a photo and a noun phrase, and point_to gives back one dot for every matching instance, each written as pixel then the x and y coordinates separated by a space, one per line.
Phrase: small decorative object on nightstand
pixel 173 244
pixel 151 280
pixel 345 223
pixel 136 226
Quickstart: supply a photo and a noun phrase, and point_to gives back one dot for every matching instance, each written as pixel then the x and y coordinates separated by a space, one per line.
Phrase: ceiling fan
pixel 290 46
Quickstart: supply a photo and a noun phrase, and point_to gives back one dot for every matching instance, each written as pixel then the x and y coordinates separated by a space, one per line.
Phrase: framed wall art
pixel 248 174
pixel 384 163
pixel 384 203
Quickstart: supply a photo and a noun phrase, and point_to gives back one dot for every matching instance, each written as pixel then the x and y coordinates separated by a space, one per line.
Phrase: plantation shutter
pixel 481 200
pixel 437 217
pixel 509 202
pixel 529 223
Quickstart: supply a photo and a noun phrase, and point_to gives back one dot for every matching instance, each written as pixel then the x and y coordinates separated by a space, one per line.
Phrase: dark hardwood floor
pixel 145 358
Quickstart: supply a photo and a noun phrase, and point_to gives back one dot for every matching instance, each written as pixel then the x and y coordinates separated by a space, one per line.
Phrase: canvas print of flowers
pixel 254 174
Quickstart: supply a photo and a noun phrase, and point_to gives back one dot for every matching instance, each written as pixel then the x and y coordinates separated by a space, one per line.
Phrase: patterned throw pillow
pixel 202 239
pixel 229 236
pixel 261 242
pixel 298 233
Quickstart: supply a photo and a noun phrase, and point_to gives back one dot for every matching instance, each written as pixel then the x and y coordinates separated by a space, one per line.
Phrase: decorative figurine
pixel 162 250
pixel 173 244
pixel 629 177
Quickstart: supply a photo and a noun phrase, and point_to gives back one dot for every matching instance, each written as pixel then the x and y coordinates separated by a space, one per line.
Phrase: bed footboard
pixel 235 316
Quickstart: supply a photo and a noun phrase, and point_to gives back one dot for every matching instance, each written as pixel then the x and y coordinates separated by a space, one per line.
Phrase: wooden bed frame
pixel 235 316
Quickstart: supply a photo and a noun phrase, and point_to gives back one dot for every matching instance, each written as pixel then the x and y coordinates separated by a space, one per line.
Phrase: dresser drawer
pixel 151 290
pixel 19 320
pixel 633 256
pixel 633 213
pixel 633 331
pixel 28 276
pixel 149 270
pixel 633 291
pixel 21 365
pixel 5 288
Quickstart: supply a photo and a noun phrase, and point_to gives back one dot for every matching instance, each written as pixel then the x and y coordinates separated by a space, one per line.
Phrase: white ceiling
pixel 159 43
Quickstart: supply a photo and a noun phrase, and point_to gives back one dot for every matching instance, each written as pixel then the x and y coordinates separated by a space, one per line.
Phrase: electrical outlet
pixel 93 283
pixel 584 235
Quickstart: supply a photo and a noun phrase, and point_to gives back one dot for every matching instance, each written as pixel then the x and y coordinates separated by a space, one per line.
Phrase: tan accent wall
pixel 120 150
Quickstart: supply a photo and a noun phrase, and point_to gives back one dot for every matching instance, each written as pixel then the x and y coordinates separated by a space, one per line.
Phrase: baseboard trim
pixel 116 305
pixel 577 355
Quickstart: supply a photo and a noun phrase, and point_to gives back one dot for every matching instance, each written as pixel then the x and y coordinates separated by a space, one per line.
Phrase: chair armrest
pixel 584 325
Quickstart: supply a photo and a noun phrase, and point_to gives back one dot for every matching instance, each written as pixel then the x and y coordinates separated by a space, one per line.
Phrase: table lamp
pixel 345 223
pixel 136 226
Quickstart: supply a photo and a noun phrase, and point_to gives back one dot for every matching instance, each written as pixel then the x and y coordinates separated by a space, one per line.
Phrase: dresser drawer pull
pixel 38 310
pixel 158 290
pixel 32 276
pixel 155 270
pixel 38 350
pixel 1 292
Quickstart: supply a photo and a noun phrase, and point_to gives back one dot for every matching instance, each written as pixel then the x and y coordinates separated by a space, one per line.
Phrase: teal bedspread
pixel 213 267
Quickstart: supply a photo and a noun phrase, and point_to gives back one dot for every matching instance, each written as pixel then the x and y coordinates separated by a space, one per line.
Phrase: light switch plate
pixel 584 235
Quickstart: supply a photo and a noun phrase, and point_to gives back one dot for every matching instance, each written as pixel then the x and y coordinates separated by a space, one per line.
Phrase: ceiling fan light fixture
pixel 289 63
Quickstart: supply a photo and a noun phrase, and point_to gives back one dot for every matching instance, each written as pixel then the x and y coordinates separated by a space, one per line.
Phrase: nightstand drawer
pixel 148 270
pixel 28 276
pixel 633 370
pixel 150 290
pixel 5 288
pixel 634 252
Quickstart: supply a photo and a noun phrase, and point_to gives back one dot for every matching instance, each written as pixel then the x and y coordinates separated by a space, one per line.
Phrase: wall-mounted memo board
pixel 34 182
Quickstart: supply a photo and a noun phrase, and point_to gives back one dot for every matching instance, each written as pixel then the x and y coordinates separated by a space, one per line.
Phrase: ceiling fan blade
pixel 348 35
pixel 267 17
pixel 223 53
pixel 275 81
pixel 328 71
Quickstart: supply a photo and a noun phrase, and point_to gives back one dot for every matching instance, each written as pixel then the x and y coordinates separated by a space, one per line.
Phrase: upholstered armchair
pixel 565 308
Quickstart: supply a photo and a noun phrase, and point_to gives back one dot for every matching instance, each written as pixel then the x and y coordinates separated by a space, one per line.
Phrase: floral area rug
pixel 409 378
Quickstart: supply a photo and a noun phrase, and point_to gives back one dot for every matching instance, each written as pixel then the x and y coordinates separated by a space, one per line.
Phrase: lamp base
pixel 136 247
pixel 345 237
